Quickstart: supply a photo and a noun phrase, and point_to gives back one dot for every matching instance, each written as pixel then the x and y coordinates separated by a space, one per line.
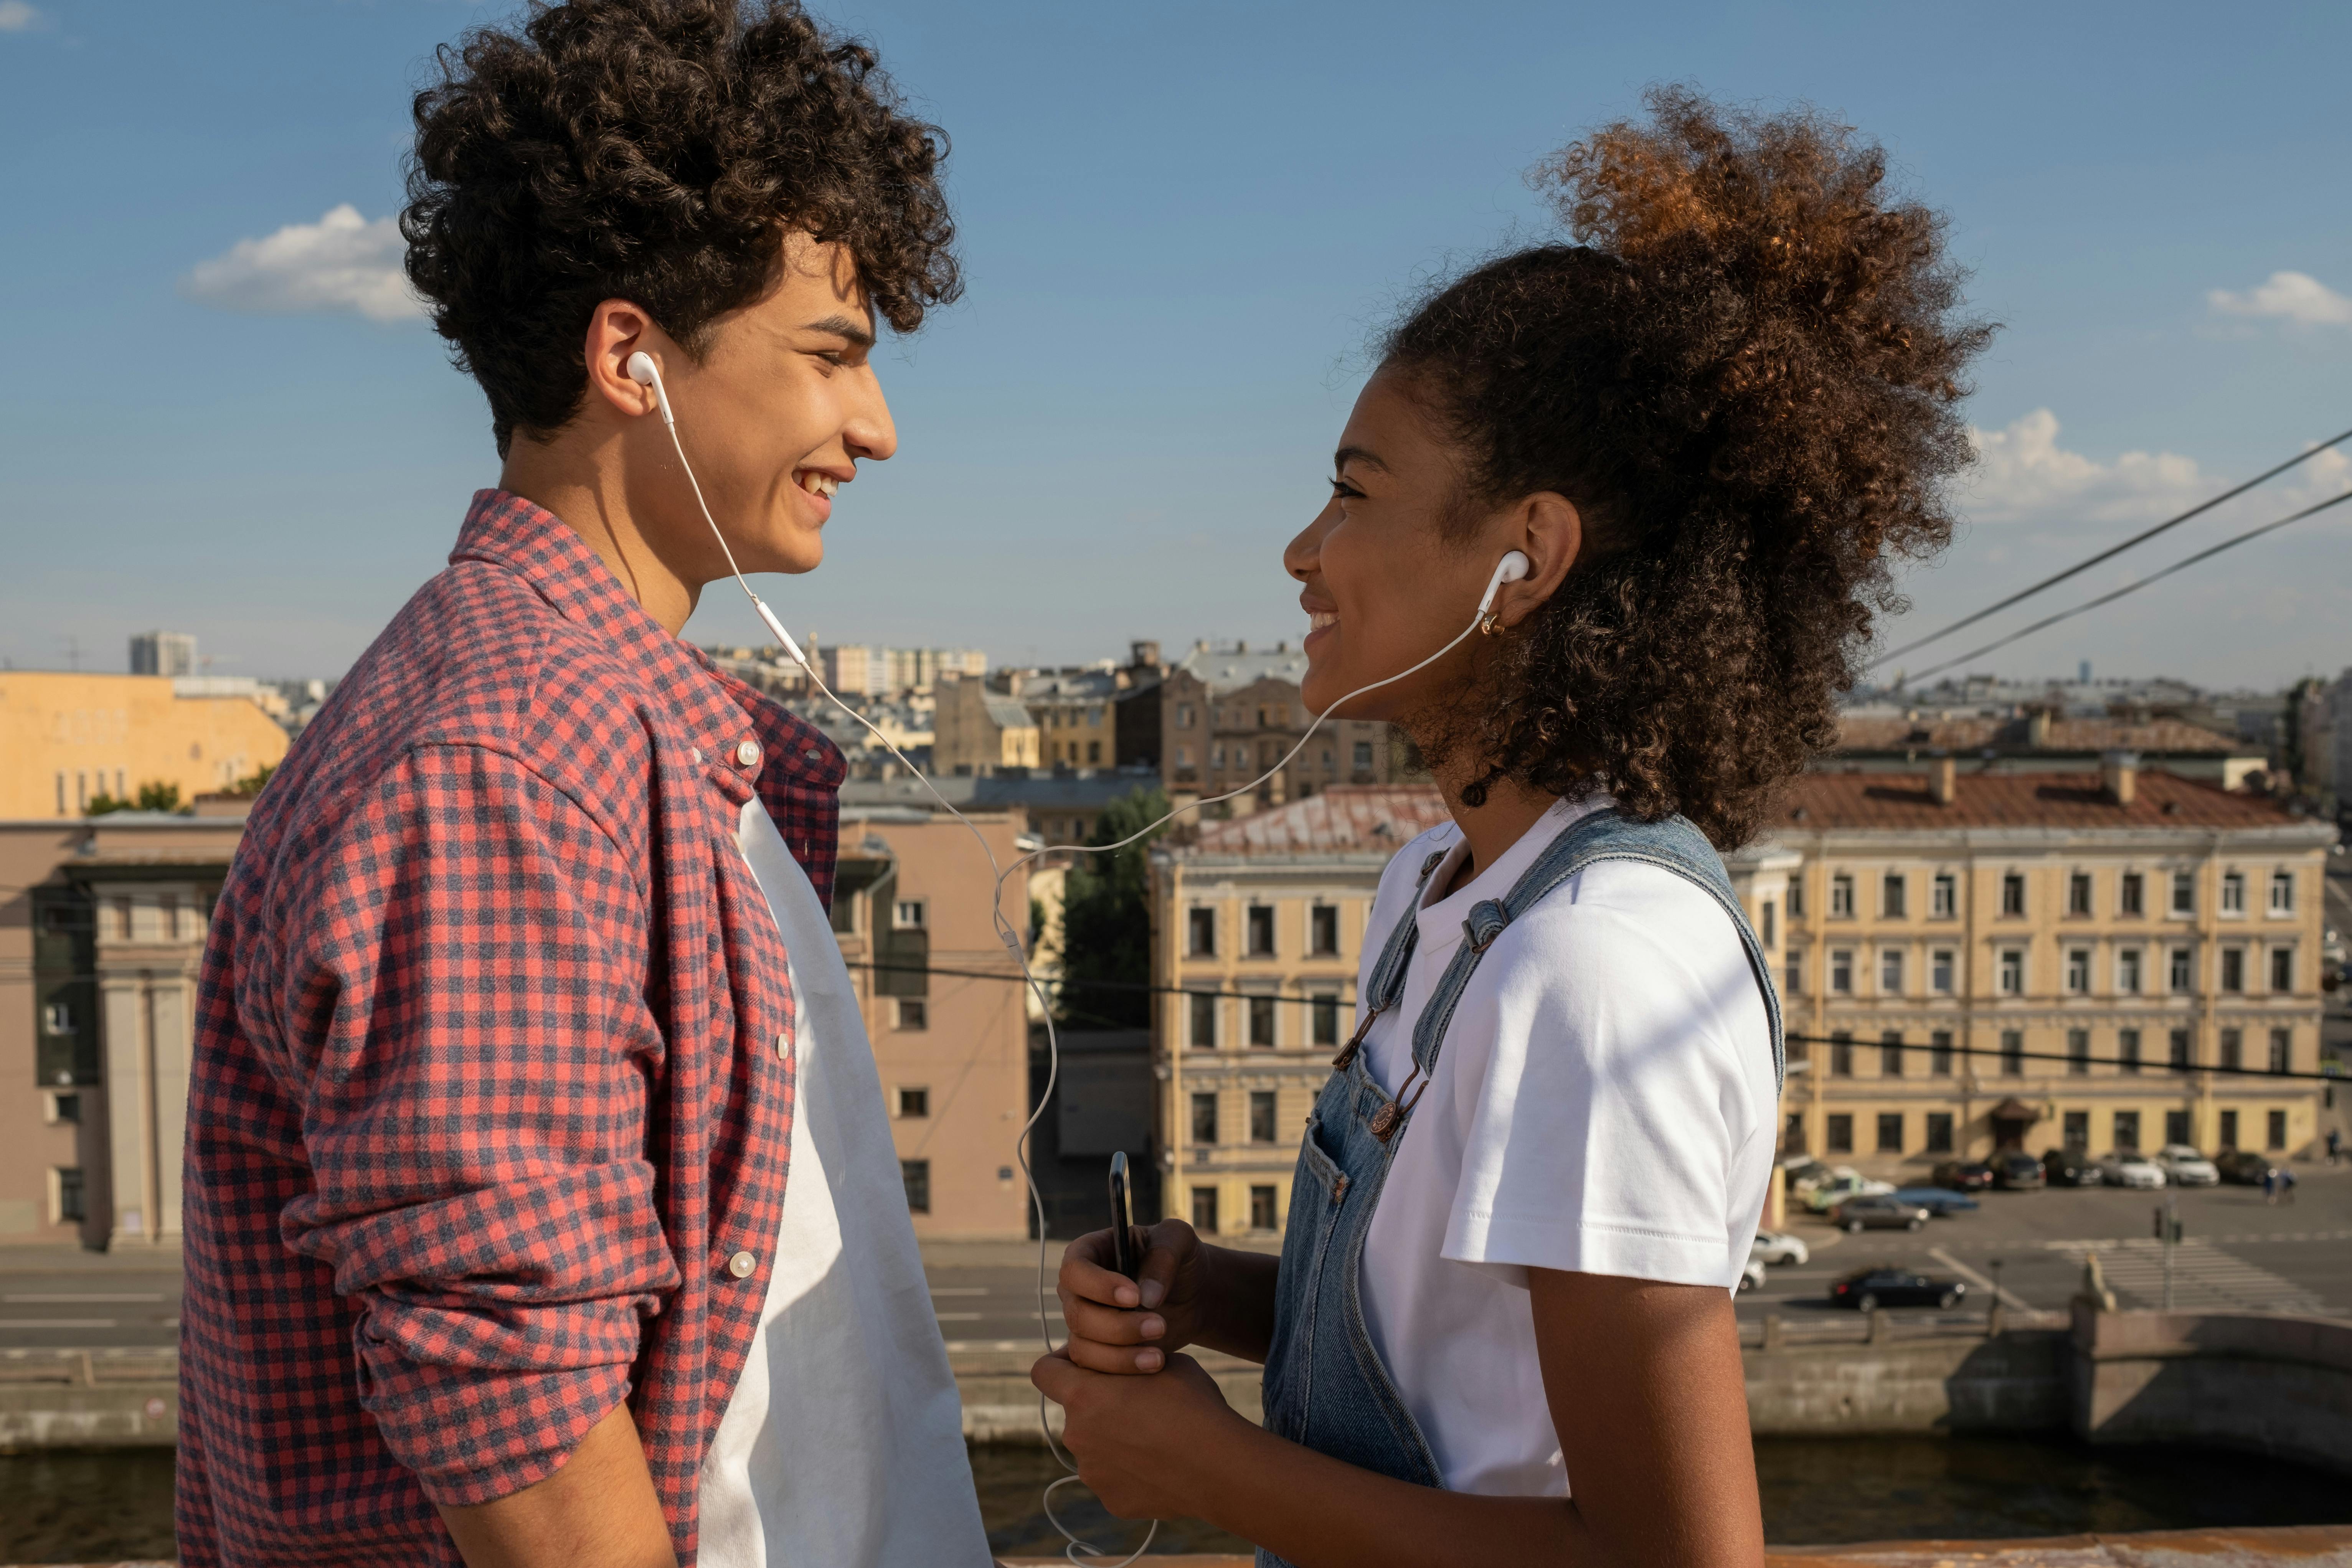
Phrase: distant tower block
pixel 164 653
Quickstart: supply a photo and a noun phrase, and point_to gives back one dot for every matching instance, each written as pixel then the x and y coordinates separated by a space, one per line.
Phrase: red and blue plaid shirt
pixel 493 1070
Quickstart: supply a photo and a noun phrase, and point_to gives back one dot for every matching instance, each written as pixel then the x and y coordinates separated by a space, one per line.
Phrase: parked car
pixel 1778 1246
pixel 2185 1167
pixel 1936 1201
pixel 2130 1168
pixel 1804 1178
pixel 2016 1171
pixel 1752 1277
pixel 1963 1175
pixel 1838 1189
pixel 1877 1211
pixel 1867 1289
pixel 2070 1168
pixel 2243 1167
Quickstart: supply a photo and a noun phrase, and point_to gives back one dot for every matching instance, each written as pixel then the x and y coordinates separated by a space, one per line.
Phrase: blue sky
pixel 1180 225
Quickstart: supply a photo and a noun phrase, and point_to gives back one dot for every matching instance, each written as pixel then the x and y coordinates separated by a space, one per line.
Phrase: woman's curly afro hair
pixel 1746 378
pixel 654 151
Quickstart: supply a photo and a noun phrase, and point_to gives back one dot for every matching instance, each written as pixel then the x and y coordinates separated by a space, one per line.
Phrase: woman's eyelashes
pixel 1343 491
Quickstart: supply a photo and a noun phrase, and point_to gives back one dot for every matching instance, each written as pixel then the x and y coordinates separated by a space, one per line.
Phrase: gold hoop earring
pixel 1491 624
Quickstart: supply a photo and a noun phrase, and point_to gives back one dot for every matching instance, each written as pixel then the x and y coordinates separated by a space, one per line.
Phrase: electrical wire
pixel 2113 551
pixel 2127 589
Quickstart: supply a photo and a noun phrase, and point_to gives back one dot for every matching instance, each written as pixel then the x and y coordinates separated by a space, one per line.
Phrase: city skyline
pixel 1178 251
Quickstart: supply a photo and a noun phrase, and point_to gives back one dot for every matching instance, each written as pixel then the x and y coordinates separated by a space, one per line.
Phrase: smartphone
pixel 1122 1218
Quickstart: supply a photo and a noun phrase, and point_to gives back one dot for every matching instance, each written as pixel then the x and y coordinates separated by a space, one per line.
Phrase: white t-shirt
pixel 1604 1103
pixel 842 1446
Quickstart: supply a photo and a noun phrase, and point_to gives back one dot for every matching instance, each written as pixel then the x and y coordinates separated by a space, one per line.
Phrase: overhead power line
pixel 2129 588
pixel 2112 552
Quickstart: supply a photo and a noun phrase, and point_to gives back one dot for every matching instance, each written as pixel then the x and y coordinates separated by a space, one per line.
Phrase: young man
pixel 540 1203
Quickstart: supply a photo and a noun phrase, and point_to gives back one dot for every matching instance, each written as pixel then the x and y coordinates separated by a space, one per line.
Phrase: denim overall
pixel 1324 1384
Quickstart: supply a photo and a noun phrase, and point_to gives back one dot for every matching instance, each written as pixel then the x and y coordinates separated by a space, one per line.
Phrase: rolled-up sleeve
pixel 471 1044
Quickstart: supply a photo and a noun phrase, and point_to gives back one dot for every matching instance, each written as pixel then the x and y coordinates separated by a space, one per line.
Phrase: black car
pixel 2243 1167
pixel 2016 1171
pixel 1867 1289
pixel 2070 1168
pixel 1964 1176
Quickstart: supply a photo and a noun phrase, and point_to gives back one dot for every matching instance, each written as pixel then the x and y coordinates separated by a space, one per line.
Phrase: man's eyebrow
pixel 844 327
pixel 1365 455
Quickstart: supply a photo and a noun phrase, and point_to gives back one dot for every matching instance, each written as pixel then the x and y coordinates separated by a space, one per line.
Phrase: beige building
pixel 101 929
pixel 69 738
pixel 1228 714
pixel 1989 960
pixel 977 731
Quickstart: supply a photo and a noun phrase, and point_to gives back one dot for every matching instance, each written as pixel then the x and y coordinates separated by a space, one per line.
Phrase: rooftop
pixel 1343 819
pixel 1973 732
pixel 1231 669
pixel 2161 800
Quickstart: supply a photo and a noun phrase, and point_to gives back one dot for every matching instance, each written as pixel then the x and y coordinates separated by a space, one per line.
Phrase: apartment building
pixel 1228 714
pixel 1988 959
pixel 70 738
pixel 977 730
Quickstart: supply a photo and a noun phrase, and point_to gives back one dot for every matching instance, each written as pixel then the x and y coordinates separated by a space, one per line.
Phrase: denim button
pixel 741 1264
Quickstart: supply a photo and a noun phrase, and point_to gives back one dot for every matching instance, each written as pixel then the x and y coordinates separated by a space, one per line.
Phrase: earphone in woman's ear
pixel 1510 569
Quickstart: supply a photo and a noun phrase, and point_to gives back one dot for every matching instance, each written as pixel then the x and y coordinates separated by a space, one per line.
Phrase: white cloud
pixel 17 17
pixel 2023 474
pixel 343 262
pixel 2295 297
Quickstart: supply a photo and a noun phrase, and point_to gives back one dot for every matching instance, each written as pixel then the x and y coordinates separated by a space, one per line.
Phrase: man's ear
pixel 1548 529
pixel 617 330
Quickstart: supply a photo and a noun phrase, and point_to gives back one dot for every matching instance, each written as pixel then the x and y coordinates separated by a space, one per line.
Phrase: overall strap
pixel 1387 976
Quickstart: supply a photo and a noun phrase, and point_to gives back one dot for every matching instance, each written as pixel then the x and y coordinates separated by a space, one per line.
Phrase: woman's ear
pixel 1549 530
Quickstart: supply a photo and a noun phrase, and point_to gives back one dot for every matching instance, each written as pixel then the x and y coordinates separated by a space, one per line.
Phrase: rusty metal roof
pixel 1343 819
pixel 1815 802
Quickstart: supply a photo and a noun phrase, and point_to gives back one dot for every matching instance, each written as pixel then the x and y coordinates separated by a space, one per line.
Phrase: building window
pixel 1323 931
pixel 1893 896
pixel 2127 967
pixel 1325 1016
pixel 1183 715
pixel 1940 972
pixel 2282 1050
pixel 1261 1107
pixel 1792 1133
pixel 1184 758
pixel 1261 1023
pixel 1890 1132
pixel 1840 1055
pixel 1204 1119
pixel 2078 970
pixel 2184 892
pixel 2281 969
pixel 1841 897
pixel 2078 893
pixel 2182 1058
pixel 1771 933
pixel 2281 892
pixel 57 1019
pixel 2013 893
pixel 1217 757
pixel 2229 1130
pixel 907 914
pixel 1205 1021
pixel 2234 969
pixel 1792 974
pixel 2178 973
pixel 2234 1049
pixel 61 1106
pixel 1946 897
pixel 1202 927
pixel 1094 750
pixel 1840 1133
pixel 1890 1054
pixel 917 1175
pixel 2132 896
pixel 2012 1053
pixel 1939 1053
pixel 914 1103
pixel 1262 1216
pixel 1890 972
pixel 2077 1134
pixel 914 1013
pixel 2176 1127
pixel 1204 1210
pixel 2078 1051
pixel 1940 1132
pixel 2012 972
pixel 70 1205
pixel 1797 897
pixel 2275 1130
pixel 2233 893
pixel 2126 1130
pixel 1363 756
pixel 2127 1050
pixel 1841 972
pixel 1261 931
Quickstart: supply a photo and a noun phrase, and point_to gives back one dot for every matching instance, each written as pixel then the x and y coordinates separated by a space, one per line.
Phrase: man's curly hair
pixel 655 151
pixel 1745 379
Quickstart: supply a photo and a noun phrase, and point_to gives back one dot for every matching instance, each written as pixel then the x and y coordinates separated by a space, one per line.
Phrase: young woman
pixel 1500 1329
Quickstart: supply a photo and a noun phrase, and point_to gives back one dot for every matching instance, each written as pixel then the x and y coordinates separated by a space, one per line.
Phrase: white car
pixel 1778 1246
pixel 2130 1169
pixel 2185 1167
pixel 1751 1277
pixel 1837 1189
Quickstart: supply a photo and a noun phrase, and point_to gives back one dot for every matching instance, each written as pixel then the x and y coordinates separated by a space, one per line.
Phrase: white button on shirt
pixel 741 1264
pixel 747 753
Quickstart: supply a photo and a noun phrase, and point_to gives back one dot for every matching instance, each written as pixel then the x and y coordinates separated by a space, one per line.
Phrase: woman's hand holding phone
pixel 1131 1326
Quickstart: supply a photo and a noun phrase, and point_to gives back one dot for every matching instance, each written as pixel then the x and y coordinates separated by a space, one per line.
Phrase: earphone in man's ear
pixel 644 372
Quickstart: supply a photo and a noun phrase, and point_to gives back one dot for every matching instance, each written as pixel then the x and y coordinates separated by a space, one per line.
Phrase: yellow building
pixel 977 731
pixel 2025 960
pixel 70 738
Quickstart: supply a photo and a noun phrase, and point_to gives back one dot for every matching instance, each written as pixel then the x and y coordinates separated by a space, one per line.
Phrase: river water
pixel 94 1507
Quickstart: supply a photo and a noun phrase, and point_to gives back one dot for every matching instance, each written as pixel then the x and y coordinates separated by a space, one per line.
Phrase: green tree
pixel 250 786
pixel 155 794
pixel 1107 920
